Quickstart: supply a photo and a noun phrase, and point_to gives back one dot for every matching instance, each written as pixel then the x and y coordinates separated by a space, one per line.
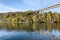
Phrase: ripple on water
pixel 24 36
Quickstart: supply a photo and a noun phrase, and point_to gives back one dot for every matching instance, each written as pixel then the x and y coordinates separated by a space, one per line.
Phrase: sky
pixel 24 5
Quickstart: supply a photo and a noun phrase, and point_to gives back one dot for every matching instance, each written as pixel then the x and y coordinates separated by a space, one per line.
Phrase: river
pixel 29 31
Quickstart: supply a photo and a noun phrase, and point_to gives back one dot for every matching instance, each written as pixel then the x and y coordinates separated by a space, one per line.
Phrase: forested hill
pixel 30 16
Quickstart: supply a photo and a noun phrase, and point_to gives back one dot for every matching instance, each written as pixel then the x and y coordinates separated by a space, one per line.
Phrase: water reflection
pixel 44 29
pixel 30 27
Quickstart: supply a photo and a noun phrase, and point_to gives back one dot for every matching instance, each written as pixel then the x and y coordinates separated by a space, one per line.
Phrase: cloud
pixel 4 8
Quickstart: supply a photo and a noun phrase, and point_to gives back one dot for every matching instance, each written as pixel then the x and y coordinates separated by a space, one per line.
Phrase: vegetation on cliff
pixel 30 16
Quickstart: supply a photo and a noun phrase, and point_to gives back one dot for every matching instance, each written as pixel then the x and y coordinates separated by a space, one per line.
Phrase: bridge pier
pixel 40 12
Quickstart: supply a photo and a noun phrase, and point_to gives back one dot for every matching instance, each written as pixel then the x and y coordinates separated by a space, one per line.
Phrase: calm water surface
pixel 29 31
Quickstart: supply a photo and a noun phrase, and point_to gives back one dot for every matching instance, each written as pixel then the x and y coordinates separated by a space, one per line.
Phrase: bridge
pixel 41 11
pixel 48 8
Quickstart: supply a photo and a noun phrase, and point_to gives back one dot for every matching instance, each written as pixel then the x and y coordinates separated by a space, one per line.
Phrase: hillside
pixel 30 16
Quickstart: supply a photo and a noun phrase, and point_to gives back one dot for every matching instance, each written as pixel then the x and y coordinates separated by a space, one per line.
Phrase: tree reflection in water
pixel 30 27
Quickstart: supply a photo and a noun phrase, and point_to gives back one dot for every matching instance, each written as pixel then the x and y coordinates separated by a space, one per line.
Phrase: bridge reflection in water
pixel 30 27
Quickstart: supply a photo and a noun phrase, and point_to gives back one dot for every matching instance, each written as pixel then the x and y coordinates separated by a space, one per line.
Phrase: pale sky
pixel 23 5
